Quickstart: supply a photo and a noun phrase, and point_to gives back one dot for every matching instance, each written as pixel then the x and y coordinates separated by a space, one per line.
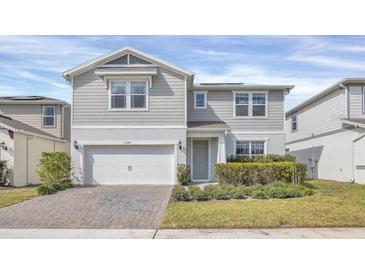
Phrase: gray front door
pixel 200 160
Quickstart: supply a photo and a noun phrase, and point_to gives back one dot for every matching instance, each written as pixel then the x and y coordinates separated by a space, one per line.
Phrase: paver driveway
pixel 91 207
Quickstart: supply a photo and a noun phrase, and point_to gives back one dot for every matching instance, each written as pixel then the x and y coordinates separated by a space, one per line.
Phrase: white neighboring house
pixel 29 126
pixel 135 117
pixel 327 132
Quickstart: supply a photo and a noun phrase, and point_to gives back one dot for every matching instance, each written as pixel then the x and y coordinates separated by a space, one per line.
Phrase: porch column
pixel 221 150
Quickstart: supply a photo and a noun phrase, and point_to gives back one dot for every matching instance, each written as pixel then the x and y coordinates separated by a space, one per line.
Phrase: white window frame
pixel 296 121
pixel 128 95
pixel 205 99
pixel 53 116
pixel 250 104
pixel 249 146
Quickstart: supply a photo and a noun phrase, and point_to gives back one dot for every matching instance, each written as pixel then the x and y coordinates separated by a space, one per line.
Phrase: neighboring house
pixel 135 117
pixel 30 125
pixel 327 132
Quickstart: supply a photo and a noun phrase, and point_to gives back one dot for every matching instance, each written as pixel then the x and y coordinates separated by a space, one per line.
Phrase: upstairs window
pixel 294 121
pixel 241 105
pixel 250 148
pixel 48 116
pixel 259 104
pixel 200 99
pixel 128 95
pixel 250 104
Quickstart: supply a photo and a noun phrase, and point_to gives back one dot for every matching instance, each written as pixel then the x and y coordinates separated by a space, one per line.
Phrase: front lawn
pixel 333 205
pixel 11 195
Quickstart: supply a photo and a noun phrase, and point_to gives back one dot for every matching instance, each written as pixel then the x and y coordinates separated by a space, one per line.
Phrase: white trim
pixel 250 104
pixel 354 123
pixel 126 127
pixel 192 162
pixel 45 116
pixel 207 129
pixel 119 53
pixel 257 132
pixel 249 140
pixel 128 95
pixel 126 142
pixel 205 93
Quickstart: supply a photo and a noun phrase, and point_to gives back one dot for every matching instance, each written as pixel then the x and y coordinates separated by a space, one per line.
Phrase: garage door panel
pixel 112 165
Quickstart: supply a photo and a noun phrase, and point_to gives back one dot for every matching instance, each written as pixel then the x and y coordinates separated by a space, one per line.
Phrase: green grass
pixel 333 205
pixel 11 195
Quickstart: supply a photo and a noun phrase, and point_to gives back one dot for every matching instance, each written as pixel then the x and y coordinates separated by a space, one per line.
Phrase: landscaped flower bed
pixel 279 190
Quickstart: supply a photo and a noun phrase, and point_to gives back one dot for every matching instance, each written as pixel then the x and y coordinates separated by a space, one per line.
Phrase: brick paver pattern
pixel 91 207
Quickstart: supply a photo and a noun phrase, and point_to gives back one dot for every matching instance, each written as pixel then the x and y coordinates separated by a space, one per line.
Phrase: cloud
pixel 329 61
pixel 34 77
pixel 305 87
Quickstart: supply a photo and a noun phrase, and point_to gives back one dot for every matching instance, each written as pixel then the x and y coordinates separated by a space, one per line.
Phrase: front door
pixel 200 159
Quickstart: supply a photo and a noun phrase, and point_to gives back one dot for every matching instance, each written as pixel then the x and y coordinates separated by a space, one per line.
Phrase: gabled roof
pixel 68 74
pixel 208 125
pixel 332 88
pixel 14 100
pixel 20 127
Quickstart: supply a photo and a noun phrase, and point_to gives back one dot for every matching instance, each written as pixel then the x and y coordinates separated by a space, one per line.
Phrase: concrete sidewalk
pixel 292 233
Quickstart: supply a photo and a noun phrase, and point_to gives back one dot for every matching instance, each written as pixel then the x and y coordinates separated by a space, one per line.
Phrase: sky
pixel 32 65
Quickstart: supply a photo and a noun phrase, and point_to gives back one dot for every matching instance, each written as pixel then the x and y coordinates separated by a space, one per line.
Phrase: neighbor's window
pixel 200 99
pixel 128 95
pixel 48 116
pixel 259 104
pixel 241 104
pixel 250 148
pixel 294 121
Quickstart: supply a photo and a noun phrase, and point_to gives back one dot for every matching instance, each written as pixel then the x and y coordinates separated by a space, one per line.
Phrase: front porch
pixel 206 146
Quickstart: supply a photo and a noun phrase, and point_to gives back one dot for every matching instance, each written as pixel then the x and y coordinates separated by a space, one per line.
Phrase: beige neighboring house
pixel 30 125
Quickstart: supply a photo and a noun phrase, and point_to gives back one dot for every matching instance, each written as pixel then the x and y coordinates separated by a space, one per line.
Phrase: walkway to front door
pixel 91 207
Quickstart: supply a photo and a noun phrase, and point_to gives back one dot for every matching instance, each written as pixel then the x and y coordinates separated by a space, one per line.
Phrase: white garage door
pixel 113 165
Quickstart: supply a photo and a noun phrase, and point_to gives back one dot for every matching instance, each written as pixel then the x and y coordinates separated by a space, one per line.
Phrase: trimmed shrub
pixel 4 171
pixel 54 171
pixel 259 194
pixel 193 189
pixel 46 189
pixel 220 194
pixel 240 192
pixel 54 167
pixel 210 188
pixel 179 193
pixel 183 174
pixel 260 173
pixel 199 195
pixel 262 158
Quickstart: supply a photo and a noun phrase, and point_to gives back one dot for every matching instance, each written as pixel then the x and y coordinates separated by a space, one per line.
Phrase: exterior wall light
pixel 180 144
pixel 76 145
pixel 3 146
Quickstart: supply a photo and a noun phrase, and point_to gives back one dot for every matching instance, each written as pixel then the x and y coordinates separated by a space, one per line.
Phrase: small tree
pixel 54 168
pixel 4 171
pixel 183 174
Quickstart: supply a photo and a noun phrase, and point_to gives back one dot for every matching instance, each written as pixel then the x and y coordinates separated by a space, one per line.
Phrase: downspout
pixel 27 159
pixel 347 100
pixel 62 121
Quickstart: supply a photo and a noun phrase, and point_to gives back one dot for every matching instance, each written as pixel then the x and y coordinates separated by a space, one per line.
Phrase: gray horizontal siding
pixel 319 117
pixel 220 108
pixel 166 102
pixel 356 102
pixel 32 115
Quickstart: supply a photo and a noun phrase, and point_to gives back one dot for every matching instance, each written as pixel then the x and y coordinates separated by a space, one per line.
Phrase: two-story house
pixel 136 117
pixel 327 132
pixel 30 125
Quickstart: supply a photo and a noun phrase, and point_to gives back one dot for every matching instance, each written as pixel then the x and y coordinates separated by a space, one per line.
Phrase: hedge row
pixel 279 190
pixel 261 158
pixel 260 173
